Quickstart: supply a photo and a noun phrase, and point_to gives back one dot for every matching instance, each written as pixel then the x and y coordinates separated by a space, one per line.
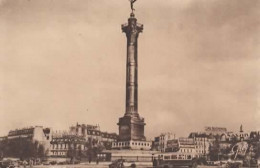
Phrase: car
pixel 121 163
pixel 46 163
pixel 8 164
pixel 234 164
pixel 53 162
pixel 62 163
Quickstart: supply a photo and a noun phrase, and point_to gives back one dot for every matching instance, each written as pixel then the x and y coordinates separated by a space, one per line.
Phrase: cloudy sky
pixel 63 61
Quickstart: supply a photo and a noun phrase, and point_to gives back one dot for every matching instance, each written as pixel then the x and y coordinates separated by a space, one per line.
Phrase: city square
pixel 172 88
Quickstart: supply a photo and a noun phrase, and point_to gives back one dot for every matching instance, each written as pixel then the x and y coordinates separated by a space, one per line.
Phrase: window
pixel 174 157
pixel 167 157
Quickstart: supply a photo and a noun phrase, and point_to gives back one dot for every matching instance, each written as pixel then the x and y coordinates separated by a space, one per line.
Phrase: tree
pixel 107 145
pixel 3 148
pixel 41 151
pixel 214 150
pixel 74 147
pixel 256 149
pixel 22 148
pixel 93 148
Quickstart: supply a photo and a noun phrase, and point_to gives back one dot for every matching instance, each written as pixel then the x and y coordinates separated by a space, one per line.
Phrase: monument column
pixel 131 125
pixel 132 30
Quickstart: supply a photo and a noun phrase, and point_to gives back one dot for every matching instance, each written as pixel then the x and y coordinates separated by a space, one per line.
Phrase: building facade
pixel 37 133
pixel 161 143
pixel 215 130
pixel 92 132
pixel 67 145
pixel 78 139
pixel 187 145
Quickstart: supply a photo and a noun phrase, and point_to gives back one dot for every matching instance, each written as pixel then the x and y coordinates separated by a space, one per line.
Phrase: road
pixel 102 165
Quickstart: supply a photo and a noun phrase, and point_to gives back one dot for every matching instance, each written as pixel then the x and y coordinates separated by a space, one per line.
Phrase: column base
pixel 131 128
pixel 133 145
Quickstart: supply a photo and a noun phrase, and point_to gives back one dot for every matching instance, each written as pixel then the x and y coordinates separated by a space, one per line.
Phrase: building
pixel 172 145
pixel 108 137
pixel 84 130
pixel 36 133
pixel 227 137
pixel 156 144
pixel 160 142
pixel 215 130
pixel 182 145
pixel 78 139
pixel 92 132
pixel 241 135
pixel 202 144
pixel 198 145
pixel 66 145
pixel 187 145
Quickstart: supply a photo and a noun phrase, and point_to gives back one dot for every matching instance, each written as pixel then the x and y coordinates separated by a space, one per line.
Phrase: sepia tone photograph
pixel 129 83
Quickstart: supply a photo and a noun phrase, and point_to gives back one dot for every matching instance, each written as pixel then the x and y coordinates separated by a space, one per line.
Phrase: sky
pixel 63 62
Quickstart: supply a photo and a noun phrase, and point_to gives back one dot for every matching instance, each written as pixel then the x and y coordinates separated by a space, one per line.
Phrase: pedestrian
pixel 31 163
pixel 97 161
pixel 24 164
pixel 154 163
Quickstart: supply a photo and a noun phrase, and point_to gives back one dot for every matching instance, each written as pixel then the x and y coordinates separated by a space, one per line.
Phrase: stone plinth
pixel 131 128
pixel 134 145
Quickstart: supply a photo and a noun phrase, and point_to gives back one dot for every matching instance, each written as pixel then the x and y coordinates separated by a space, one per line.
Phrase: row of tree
pixel 93 147
pixel 22 148
pixel 219 152
pixel 26 148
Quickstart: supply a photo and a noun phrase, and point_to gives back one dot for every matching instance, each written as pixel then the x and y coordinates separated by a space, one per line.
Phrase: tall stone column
pixel 131 125
pixel 132 30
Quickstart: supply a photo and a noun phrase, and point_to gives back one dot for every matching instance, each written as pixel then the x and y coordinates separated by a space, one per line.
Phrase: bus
pixel 176 159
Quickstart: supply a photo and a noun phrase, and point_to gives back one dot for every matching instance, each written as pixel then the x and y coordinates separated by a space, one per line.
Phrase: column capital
pixel 132 26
